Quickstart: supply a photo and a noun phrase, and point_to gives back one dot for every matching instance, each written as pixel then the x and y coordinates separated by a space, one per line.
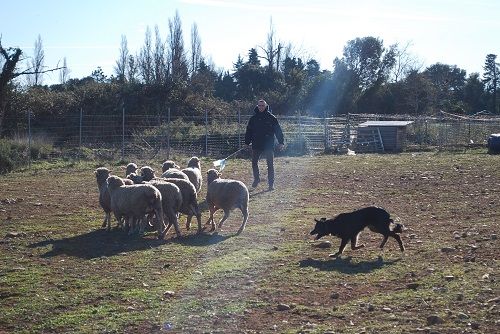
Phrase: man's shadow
pixel 254 192
pixel 344 265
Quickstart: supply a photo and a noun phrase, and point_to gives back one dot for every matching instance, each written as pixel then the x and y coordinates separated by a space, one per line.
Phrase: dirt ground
pixel 60 272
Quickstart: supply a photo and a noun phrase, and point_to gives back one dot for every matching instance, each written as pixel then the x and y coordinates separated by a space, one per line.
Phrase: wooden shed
pixel 381 136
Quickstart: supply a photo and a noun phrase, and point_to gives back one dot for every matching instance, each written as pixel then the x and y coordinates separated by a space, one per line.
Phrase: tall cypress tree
pixel 490 78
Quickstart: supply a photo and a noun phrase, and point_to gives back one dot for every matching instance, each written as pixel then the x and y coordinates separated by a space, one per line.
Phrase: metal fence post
pixel 239 129
pixel 123 131
pixel 29 139
pixel 80 134
pixel 326 130
pixel 300 128
pixel 168 133
pixel 206 133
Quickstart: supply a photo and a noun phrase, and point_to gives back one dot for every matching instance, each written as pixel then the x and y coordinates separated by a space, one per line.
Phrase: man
pixel 261 130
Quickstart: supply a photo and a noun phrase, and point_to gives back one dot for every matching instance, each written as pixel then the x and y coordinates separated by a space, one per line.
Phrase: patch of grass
pixel 63 273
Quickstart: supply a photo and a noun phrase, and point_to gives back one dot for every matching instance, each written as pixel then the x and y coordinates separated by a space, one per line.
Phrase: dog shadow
pixel 346 266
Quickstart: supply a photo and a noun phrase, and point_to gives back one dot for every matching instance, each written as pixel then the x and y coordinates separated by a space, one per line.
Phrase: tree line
pixel 369 77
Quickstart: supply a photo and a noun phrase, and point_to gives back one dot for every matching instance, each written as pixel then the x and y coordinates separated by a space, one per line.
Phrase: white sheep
pixel 173 172
pixel 166 165
pixel 171 201
pixel 227 195
pixel 147 173
pixel 189 205
pixel 193 172
pixel 135 201
pixel 131 168
pixel 102 174
pixel 136 179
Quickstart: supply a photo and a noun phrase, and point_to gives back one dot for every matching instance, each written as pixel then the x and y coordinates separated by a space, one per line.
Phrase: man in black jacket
pixel 261 130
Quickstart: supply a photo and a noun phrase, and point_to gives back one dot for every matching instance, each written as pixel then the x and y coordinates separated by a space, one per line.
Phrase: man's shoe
pixel 255 183
pixel 271 187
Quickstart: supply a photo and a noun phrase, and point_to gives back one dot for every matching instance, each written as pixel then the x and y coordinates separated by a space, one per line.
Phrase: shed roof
pixel 386 123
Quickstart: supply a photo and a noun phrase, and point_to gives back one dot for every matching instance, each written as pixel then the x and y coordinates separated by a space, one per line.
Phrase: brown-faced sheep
pixel 147 173
pixel 227 195
pixel 166 165
pixel 193 172
pixel 131 168
pixel 135 201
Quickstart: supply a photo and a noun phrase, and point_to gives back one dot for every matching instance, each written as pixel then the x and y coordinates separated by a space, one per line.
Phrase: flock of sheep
pixel 141 198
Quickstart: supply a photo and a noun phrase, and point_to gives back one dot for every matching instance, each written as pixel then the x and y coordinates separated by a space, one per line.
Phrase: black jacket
pixel 261 129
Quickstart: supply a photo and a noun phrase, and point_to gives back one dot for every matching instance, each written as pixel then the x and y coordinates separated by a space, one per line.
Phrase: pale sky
pixel 88 32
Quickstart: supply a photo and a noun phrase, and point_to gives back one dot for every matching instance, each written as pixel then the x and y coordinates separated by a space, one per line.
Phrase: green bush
pixel 15 154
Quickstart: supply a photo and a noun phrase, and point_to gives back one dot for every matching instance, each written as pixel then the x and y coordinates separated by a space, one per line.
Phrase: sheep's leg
pixel 226 215
pixel 198 216
pixel 211 218
pixel 188 222
pixel 244 211
pixel 142 224
pixel 105 222
pixel 172 220
pixel 167 228
pixel 131 223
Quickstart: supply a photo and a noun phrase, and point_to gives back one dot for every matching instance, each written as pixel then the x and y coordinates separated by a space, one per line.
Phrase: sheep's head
pixel 114 182
pixel 147 173
pixel 167 165
pixel 212 174
pixel 131 168
pixel 135 178
pixel 194 162
pixel 102 174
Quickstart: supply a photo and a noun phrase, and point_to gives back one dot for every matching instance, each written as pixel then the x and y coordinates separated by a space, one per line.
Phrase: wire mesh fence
pixel 130 135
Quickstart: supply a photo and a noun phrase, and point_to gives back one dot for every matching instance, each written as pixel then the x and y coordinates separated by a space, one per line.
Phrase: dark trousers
pixel 269 155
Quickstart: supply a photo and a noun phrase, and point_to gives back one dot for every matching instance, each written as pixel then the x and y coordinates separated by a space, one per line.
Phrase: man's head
pixel 261 104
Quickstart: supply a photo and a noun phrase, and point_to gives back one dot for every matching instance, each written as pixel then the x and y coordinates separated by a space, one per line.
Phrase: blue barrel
pixel 494 143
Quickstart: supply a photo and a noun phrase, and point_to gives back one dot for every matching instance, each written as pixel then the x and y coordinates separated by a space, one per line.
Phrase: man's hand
pixel 248 146
pixel 280 147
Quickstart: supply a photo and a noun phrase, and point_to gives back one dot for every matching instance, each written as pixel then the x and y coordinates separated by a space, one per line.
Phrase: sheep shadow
pixel 346 266
pixel 97 243
pixel 201 239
